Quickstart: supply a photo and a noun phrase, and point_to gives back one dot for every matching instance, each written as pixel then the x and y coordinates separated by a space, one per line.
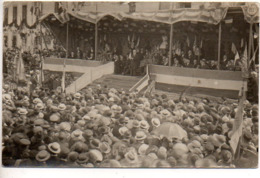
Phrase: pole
pixel 67 41
pixel 170 46
pixel 219 44
pixel 96 37
pixel 250 42
pixel 96 40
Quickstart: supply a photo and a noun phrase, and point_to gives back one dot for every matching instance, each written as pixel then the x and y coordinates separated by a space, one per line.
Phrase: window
pixel 6 16
pixel 15 14
pixel 185 5
pixel 164 5
pixel 24 12
pixel 14 42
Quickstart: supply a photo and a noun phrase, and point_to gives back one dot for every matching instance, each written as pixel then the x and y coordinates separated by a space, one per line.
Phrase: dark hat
pixel 72 156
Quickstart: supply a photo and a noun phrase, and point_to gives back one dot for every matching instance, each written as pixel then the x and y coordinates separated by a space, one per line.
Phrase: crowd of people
pixel 105 127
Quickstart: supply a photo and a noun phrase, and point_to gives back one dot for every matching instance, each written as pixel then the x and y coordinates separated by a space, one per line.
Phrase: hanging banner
pixel 251 13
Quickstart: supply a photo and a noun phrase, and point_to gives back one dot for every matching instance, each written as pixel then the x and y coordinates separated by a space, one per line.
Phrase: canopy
pixel 211 16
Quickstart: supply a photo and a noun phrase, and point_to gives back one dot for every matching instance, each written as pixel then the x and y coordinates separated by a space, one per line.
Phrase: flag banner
pixel 237 126
pixel 211 82
pixel 244 64
pixel 236 58
pixel 252 60
pixel 212 16
pixel 233 48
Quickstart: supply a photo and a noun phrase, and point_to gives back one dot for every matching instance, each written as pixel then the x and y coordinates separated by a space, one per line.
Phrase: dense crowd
pixel 105 127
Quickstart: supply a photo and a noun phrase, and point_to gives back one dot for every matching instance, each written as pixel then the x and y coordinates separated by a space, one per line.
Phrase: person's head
pixel 225 57
pixel 189 53
pixel 77 48
pixel 134 52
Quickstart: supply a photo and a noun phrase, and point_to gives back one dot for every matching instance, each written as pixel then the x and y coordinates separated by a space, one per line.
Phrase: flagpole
pixel 170 46
pixel 249 43
pixel 96 36
pixel 219 44
pixel 171 35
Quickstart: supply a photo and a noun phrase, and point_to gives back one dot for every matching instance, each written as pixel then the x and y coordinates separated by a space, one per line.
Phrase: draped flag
pixel 20 72
pixel 252 60
pixel 236 58
pixel 237 127
pixel 233 48
pixel 244 65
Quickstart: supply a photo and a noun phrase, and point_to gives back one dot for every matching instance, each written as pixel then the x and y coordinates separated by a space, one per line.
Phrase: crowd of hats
pixel 105 127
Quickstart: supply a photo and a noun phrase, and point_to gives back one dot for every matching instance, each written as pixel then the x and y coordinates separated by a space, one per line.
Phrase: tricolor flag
pixel 237 126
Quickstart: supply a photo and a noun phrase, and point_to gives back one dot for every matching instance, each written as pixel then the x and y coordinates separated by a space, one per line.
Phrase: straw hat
pixel 77 95
pixel 38 122
pixel 22 111
pixel 95 143
pixel 25 142
pixel 95 155
pixel 55 117
pixel 131 157
pixel 37 100
pixel 142 149
pixel 37 129
pixel 42 156
pixel 155 122
pixel 144 125
pixel 65 126
pixel 135 124
pixel 140 135
pixel 7 97
pixel 76 134
pixel 105 147
pixel 54 147
pixel 122 130
pixel 39 106
pixel 62 107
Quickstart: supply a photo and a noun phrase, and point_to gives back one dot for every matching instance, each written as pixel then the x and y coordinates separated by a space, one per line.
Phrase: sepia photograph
pixel 130 84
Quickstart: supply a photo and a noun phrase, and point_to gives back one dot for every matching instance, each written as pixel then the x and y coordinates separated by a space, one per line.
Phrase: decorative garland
pixel 23 22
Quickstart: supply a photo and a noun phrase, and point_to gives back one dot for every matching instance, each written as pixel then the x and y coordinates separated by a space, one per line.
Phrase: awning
pixel 211 16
